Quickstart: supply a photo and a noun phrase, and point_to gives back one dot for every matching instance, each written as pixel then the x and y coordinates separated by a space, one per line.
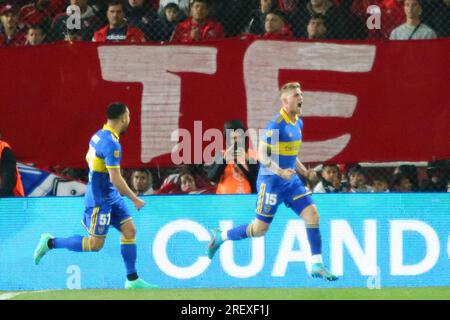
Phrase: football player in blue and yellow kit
pixel 278 182
pixel 104 204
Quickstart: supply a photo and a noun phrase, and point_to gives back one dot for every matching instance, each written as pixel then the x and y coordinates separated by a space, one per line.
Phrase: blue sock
pixel 314 238
pixel 238 233
pixel 129 254
pixel 74 243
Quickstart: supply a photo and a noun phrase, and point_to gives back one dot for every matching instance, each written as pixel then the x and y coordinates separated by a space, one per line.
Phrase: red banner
pixel 364 101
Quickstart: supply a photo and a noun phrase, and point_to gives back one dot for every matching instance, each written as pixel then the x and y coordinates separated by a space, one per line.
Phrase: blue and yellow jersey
pixel 283 139
pixel 104 152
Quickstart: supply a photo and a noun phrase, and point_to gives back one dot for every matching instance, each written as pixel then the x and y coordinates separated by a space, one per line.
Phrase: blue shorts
pixel 274 190
pixel 97 220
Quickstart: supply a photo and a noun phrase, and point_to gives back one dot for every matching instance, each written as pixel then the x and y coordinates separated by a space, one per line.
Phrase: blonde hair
pixel 288 87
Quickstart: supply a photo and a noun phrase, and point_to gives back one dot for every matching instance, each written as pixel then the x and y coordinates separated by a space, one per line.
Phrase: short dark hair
pixel 146 171
pixel 171 5
pixel 330 165
pixel 115 3
pixel 316 16
pixel 36 27
pixel 203 1
pixel 278 13
pixel 115 110
pixel 356 169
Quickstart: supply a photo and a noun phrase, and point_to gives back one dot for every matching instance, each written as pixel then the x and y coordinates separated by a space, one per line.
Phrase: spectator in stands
pixel 73 35
pixel 58 6
pixel 258 17
pixel 402 183
pixel 438 175
pixel 330 180
pixel 140 14
pixel 440 17
pixel 89 22
pixel 117 28
pixel 380 184
pixel 409 171
pixel 392 14
pixel 288 6
pixel 10 181
pixel 275 26
pixel 38 12
pixel 413 28
pixel 232 14
pixel 171 15
pixel 334 19
pixel 235 169
pixel 10 33
pixel 199 26
pixel 316 29
pixel 358 180
pixel 182 4
pixel 187 181
pixel 142 182
pixel 35 36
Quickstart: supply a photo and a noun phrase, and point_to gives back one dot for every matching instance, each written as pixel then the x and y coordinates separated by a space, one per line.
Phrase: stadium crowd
pixel 33 22
pixel 328 178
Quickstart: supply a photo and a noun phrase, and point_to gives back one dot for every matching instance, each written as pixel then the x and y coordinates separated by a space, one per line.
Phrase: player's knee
pixel 311 215
pixel 259 231
pixel 314 218
pixel 129 232
pixel 96 244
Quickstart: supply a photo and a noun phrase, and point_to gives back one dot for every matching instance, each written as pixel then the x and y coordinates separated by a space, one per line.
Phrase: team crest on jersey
pixel 101 229
pixel 290 134
pixel 267 208
pixel 116 153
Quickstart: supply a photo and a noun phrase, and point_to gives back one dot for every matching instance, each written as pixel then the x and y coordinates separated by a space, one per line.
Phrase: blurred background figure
pixel 275 26
pixel 402 183
pixel 235 169
pixel 188 180
pixel 142 182
pixel 89 22
pixel 140 14
pixel 380 184
pixel 73 35
pixel 199 26
pixel 171 15
pixel 316 28
pixel 409 171
pixel 438 173
pixel 413 28
pixel 358 179
pixel 330 179
pixel 35 36
pixel 10 181
pixel 10 32
pixel 258 16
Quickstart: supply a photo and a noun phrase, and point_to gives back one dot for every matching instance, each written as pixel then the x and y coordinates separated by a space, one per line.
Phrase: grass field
pixel 428 293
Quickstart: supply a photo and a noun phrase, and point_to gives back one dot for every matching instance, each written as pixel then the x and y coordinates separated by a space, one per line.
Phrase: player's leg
pixel 121 220
pixel 266 207
pixel 311 217
pixel 301 202
pixel 94 221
